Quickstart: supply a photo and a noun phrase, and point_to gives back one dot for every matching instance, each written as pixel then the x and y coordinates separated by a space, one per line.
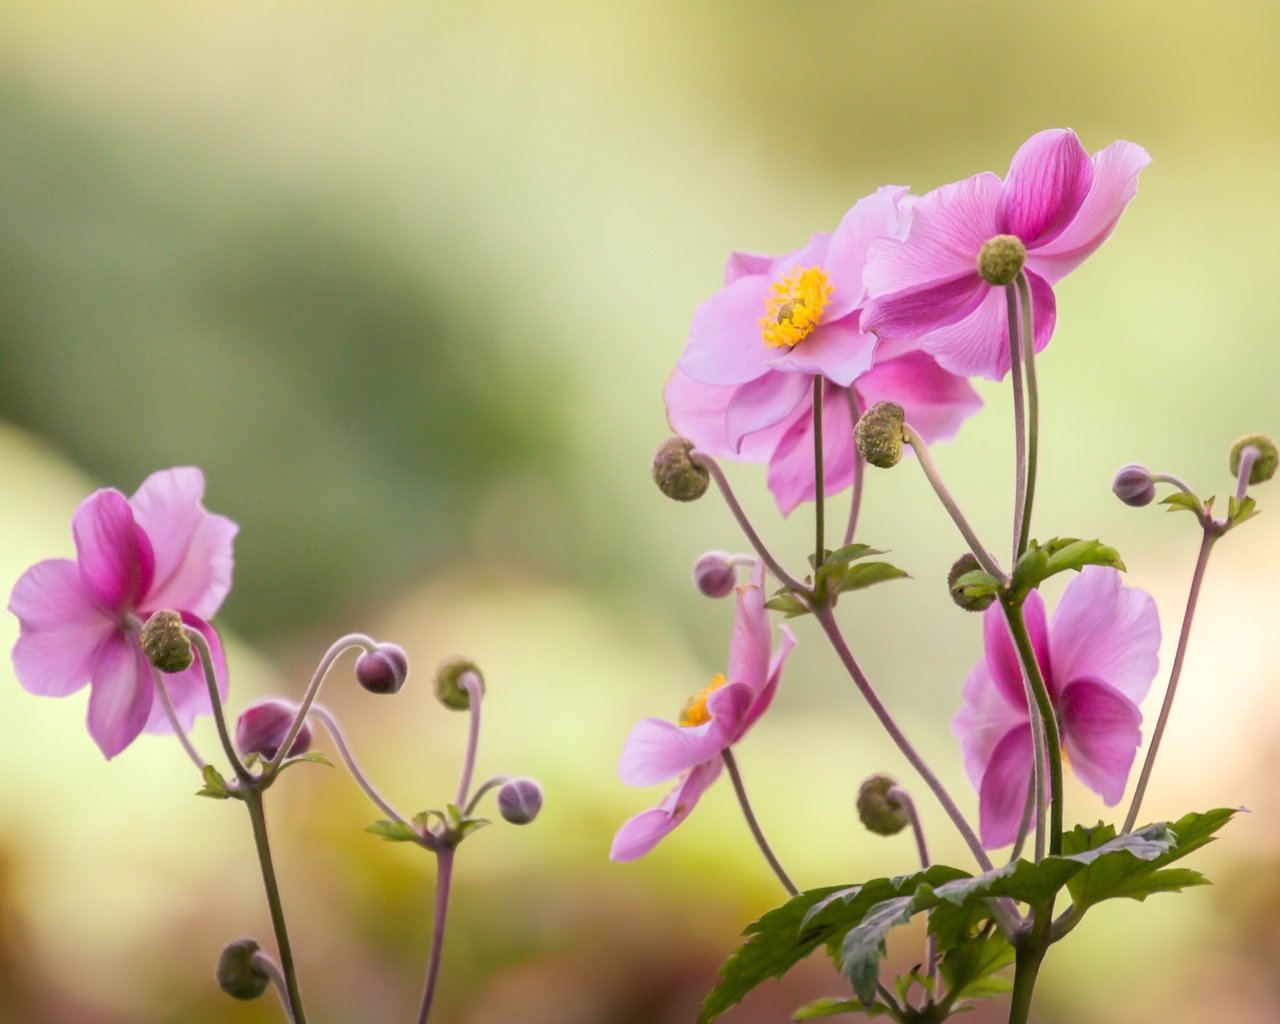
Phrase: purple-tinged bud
pixel 449 689
pixel 165 642
pixel 263 726
pixel 383 669
pixel 967 563
pixel 1001 258
pixel 878 810
pixel 519 801
pixel 675 472
pixel 1133 485
pixel 713 575
pixel 1264 463
pixel 878 434
pixel 237 974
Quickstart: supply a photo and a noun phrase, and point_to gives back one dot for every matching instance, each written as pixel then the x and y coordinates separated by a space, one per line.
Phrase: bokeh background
pixel 406 279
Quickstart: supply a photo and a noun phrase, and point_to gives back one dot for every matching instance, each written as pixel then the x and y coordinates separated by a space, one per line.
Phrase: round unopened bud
pixel 967 563
pixel 383 669
pixel 713 575
pixel 1001 258
pixel 237 975
pixel 263 726
pixel 878 811
pixel 1264 463
pixel 449 689
pixel 675 472
pixel 519 801
pixel 1133 485
pixel 165 643
pixel 878 434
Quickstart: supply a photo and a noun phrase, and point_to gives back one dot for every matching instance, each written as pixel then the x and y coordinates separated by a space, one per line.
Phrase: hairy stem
pixel 1019 418
pixel 1033 413
pixel 736 776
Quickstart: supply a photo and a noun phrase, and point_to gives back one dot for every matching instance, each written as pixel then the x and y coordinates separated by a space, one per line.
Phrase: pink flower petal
pixel 765 697
pixel 747 264
pixel 748 660
pixel 838 351
pixel 916 312
pixel 872 217
pixel 1115 182
pixel 658 750
pixel 1100 727
pixel 120 694
pixel 643 832
pixel 763 403
pixel 725 343
pixel 188 690
pixel 193 556
pixel 60 629
pixel 790 475
pixel 983 720
pixel 697 411
pixel 1044 308
pixel 1046 185
pixel 1106 631
pixel 1003 795
pixel 1002 656
pixel 115 557
pixel 935 402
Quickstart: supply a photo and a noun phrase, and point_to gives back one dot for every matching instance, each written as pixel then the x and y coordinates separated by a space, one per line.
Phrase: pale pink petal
pixel 726 345
pixel 872 217
pixel 763 403
pixel 188 690
pixel 1047 182
pixel 984 718
pixel 978 344
pixel 812 254
pixel 658 750
pixel 643 832
pixel 935 402
pixel 115 557
pixel 729 707
pixel 1044 308
pixel 697 411
pixel 747 264
pixel 1002 656
pixel 1106 631
pixel 1115 182
pixel 748 660
pixel 765 697
pixel 790 475
pixel 1002 797
pixel 193 548
pixel 916 312
pixel 60 629
pixel 120 694
pixel 1100 727
pixel 838 351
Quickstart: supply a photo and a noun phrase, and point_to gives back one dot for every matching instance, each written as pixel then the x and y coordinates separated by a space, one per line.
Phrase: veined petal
pixel 193 548
pixel 838 351
pixel 120 694
pixel 1101 729
pixel 725 344
pixel 763 403
pixel 983 720
pixel 1002 656
pixel 875 216
pixel 749 644
pixel 916 312
pixel 1046 185
pixel 935 402
pixel 188 690
pixel 790 475
pixel 1002 797
pixel 1106 631
pixel 978 344
pixel 697 411
pixel 60 629
pixel 116 561
pixel 658 750
pixel 643 832
pixel 765 697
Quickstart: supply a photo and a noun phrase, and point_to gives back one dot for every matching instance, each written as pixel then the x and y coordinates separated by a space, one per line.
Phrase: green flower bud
pixel 880 812
pixel 675 472
pixel 165 643
pixel 237 975
pixel 967 563
pixel 449 689
pixel 1264 464
pixel 878 434
pixel 1001 258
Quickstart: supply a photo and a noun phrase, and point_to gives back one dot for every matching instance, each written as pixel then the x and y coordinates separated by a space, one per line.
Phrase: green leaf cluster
pixel 839 572
pixel 1061 554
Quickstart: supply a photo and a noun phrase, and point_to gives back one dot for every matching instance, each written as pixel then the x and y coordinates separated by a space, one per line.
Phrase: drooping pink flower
pixel 78 618
pixel 1098 658
pixel 712 721
pixel 1058 201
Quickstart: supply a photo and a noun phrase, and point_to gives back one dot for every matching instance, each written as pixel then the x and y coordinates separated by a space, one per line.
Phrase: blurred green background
pixel 406 280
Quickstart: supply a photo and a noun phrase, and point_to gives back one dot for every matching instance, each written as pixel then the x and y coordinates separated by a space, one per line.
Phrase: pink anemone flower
pixel 1098 658
pixel 78 619
pixel 1056 200
pixel 711 722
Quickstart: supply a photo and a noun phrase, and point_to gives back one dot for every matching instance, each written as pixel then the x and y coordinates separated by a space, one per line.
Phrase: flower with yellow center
pixel 794 307
pixel 695 709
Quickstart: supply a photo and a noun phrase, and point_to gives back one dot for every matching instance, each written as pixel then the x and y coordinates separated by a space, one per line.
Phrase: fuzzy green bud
pixel 967 563
pixel 165 643
pixel 1264 463
pixel 880 812
pixel 878 435
pixel 675 472
pixel 1001 258
pixel 237 974
pixel 448 683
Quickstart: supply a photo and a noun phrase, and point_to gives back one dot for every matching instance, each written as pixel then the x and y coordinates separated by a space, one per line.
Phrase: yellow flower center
pixel 695 709
pixel 794 307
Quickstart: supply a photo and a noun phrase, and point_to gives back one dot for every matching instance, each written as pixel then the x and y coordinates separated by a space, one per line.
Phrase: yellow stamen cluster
pixel 695 709
pixel 794 307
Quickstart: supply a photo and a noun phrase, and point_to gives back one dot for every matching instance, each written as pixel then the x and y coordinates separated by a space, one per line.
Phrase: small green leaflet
pixel 1041 561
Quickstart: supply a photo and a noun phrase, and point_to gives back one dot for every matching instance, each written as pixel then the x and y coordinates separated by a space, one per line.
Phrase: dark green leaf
pixel 969 971
pixel 864 944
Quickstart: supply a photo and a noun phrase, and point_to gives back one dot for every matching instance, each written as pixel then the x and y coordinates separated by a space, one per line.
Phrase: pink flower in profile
pixel 712 721
pixel 1098 658
pixel 1057 201
pixel 78 619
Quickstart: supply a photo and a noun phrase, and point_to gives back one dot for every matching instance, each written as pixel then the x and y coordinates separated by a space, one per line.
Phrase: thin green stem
pixel 1033 410
pixel 859 469
pixel 756 832
pixel 1029 953
pixel 1019 417
pixel 257 816
pixel 444 878
pixel 819 497
pixel 1202 562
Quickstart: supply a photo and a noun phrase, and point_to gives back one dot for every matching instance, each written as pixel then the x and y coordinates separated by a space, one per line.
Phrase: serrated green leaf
pixel 976 584
pixel 787 603
pixel 864 944
pixel 969 971
pixel 832 1007
pixel 850 553
pixel 858 577
pixel 1060 554
pixel 1240 511
pixel 394 832
pixel 311 757
pixel 1181 501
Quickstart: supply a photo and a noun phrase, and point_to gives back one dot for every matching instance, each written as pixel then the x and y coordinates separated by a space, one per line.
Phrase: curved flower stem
pixel 1033 413
pixel 1025 825
pixel 732 765
pixel 469 682
pixel 819 495
pixel 1019 417
pixel 317 680
pixel 859 467
pixel 325 718
pixel 1247 458
pixel 1202 562
pixel 444 877
pixel 257 816
pixel 904 798
pixel 1169 478
pixel 1049 746
pixel 717 474
pixel 215 699
pixel 984 557
pixel 271 969
pixel 162 692
pixel 482 789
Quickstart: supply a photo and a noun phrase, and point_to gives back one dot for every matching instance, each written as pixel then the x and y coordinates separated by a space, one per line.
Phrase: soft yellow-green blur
pixel 406 280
